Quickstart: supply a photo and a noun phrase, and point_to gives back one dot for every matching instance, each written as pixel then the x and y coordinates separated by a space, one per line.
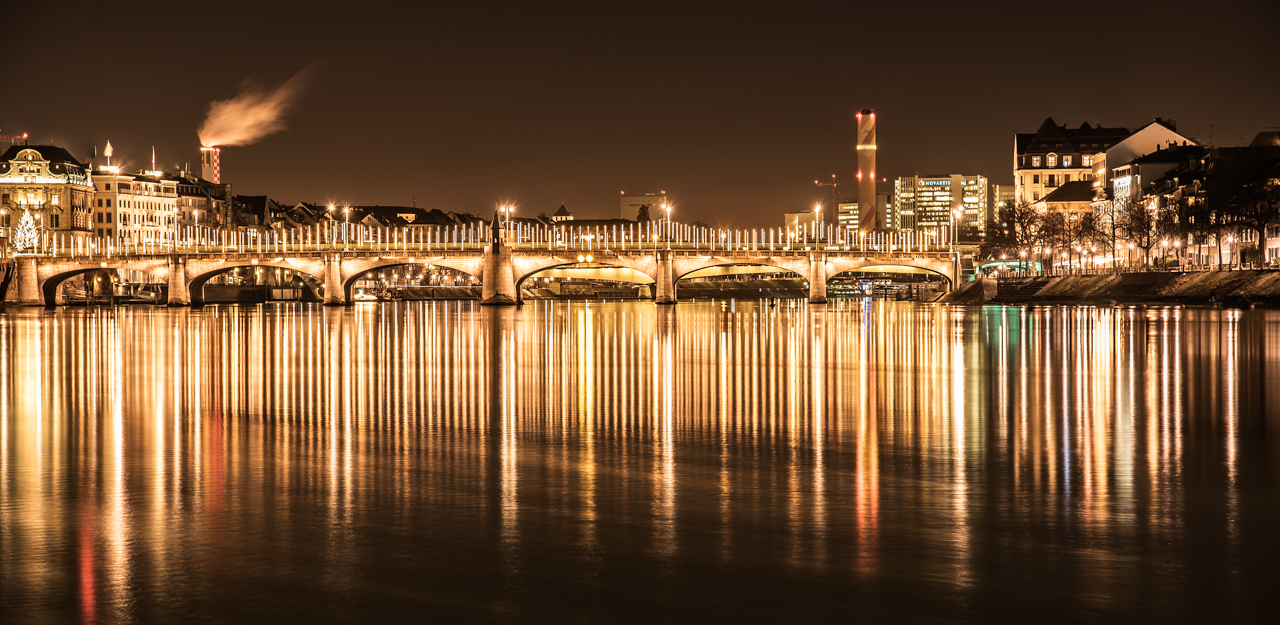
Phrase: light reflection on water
pixel 633 462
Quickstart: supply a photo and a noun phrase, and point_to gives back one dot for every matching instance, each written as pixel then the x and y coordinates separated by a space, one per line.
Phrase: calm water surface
pixel 624 462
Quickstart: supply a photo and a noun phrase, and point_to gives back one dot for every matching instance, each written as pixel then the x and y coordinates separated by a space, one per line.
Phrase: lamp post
pixel 667 207
pixel 346 225
pixel 817 224
pixel 333 228
pixel 956 214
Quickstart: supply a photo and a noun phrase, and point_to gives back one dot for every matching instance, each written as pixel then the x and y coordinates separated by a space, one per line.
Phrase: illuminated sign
pixel 935 183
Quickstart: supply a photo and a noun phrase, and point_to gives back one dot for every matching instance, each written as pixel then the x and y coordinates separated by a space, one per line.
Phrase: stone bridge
pixel 501 269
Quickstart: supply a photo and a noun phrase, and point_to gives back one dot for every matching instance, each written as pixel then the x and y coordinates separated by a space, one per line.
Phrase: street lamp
pixel 955 215
pixel 817 223
pixel 667 207
pixel 333 227
pixel 346 224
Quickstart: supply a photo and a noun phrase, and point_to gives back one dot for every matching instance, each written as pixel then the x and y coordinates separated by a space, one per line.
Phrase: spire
pixel 107 153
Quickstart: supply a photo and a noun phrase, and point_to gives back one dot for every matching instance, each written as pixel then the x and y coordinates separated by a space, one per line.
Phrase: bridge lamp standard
pixel 346 222
pixel 817 222
pixel 667 207
pixel 333 227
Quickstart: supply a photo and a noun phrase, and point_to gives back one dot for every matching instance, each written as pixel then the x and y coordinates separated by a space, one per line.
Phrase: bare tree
pixel 1140 223
pixel 1256 206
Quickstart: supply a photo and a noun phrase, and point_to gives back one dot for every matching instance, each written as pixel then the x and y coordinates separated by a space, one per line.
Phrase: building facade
pixel 957 202
pixel 1055 155
pixel 135 209
pixel 202 203
pixel 849 213
pixel 48 182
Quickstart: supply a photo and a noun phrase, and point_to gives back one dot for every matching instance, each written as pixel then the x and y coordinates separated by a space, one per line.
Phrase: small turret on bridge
pixel 332 262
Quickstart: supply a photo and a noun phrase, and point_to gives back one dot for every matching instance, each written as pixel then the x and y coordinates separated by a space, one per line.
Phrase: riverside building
pixel 135 208
pixel 48 182
pixel 1056 155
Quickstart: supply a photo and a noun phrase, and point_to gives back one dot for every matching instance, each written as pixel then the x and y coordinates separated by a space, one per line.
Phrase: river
pixel 578 462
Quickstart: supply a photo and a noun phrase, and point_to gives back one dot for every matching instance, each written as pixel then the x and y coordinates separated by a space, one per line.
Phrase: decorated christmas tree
pixel 24 236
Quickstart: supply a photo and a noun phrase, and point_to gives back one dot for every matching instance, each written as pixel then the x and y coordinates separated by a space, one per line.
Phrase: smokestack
pixel 866 169
pixel 211 164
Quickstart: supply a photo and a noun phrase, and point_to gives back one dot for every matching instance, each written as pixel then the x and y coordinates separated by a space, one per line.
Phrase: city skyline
pixel 733 114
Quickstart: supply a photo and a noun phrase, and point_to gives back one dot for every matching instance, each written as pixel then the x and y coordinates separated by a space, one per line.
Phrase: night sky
pixel 734 111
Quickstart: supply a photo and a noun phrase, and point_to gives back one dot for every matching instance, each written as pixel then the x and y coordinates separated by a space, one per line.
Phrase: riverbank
pixel 1252 287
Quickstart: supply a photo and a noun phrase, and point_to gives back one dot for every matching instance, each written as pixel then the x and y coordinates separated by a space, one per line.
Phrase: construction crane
pixel 835 206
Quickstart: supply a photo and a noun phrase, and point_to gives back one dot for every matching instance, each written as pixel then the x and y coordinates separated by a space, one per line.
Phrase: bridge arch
pixel 51 276
pixel 942 268
pixel 49 286
pixel 354 270
pixel 200 272
pixel 607 271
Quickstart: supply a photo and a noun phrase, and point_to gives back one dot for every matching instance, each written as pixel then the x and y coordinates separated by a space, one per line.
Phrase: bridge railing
pixel 567 238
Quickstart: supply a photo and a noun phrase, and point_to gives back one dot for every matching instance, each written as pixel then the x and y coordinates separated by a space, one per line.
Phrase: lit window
pixel 1086 161
pixel 1035 161
pixel 1053 160
pixel 1066 161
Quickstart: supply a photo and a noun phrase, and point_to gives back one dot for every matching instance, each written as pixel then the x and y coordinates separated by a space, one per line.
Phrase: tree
pixel 24 236
pixel 1106 229
pixel 1011 230
pixel 1256 207
pixel 1145 223
pixel 644 213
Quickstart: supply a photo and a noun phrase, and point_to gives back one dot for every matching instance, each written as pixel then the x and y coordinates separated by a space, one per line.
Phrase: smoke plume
pixel 252 115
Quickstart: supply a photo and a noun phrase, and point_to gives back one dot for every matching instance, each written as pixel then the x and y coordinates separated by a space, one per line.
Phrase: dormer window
pixel 1035 161
pixel 1066 161
pixel 1053 160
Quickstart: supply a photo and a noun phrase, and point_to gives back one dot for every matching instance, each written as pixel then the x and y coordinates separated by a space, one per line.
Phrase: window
pixel 1035 179
pixel 1052 182
pixel 1066 177
pixel 53 220
pixel 108 186
pixel 1066 161
pixel 1053 160
pixel 99 202
pixel 108 217
pixel 53 199
pixel 1086 161
pixel 1035 161
pixel 1035 197
pixel 98 217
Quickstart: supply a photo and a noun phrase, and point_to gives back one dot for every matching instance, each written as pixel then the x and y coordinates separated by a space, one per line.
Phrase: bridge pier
pixel 665 287
pixel 334 293
pixel 28 283
pixel 817 279
pixel 179 293
pixel 497 277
